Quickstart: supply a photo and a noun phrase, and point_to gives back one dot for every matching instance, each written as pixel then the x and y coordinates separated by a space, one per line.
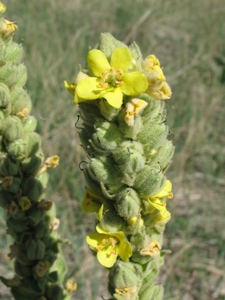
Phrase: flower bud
pixel 153 134
pixel 33 143
pixel 22 270
pixel 7 166
pixel 20 100
pixel 108 111
pixel 17 148
pixel 9 74
pixel 109 219
pixel 29 124
pixel 12 129
pixel 35 249
pixel 125 275
pixel 5 199
pixel 22 75
pixel 14 53
pixel 33 189
pixel 164 155
pixel 107 135
pixel 32 164
pixel 102 169
pixel 150 291
pixel 129 157
pixel 11 184
pixel 149 180
pixel 4 95
pixel 109 43
pixel 54 292
pixel 128 203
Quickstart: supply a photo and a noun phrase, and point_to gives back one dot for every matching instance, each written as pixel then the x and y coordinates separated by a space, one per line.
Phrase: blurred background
pixel 188 37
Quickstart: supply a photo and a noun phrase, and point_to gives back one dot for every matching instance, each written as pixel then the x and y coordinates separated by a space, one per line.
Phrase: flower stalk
pixel 125 136
pixel 31 220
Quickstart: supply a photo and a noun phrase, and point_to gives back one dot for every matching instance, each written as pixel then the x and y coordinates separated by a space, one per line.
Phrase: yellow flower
pixel 133 108
pixel 165 192
pixel 24 203
pixel 2 7
pixel 8 28
pixel 127 292
pixel 152 249
pixel 108 246
pixel 111 79
pixel 42 268
pixel 71 286
pixel 90 203
pixel 158 88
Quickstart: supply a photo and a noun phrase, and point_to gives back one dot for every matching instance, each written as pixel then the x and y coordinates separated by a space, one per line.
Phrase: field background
pixel 189 39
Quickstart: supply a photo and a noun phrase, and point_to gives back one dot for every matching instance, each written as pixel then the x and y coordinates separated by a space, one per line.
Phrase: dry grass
pixel 187 36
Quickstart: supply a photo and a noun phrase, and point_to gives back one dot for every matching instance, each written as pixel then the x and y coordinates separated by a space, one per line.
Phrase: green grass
pixel 188 37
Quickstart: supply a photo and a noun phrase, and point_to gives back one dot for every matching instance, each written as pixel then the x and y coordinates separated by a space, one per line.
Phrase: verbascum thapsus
pixel 31 219
pixel 125 136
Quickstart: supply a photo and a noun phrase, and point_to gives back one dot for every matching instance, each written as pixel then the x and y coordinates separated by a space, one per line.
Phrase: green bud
pixel 33 144
pixel 33 189
pixel 164 155
pixel 14 53
pixel 29 124
pixel 43 179
pixel 153 134
pixel 16 226
pixel 109 44
pixel 4 95
pixel 22 270
pixel 130 132
pixel 22 75
pixel 42 230
pixel 128 203
pixel 150 291
pixel 107 135
pixel 149 180
pixel 89 112
pixel 7 166
pixel 108 111
pixel 137 56
pixel 14 186
pixel 124 275
pixel 5 198
pixel 109 220
pixel 12 129
pixel 35 216
pixel 54 292
pixel 32 164
pixel 2 52
pixel 17 148
pixel 35 249
pixel 9 74
pixel 103 170
pixel 20 100
pixel 129 157
pixel 154 109
pixel 92 185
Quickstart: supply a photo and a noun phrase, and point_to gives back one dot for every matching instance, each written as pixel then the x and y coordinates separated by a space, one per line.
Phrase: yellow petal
pixel 121 58
pixel 89 88
pixel 107 258
pixel 124 250
pixel 97 62
pixel 134 83
pixel 114 97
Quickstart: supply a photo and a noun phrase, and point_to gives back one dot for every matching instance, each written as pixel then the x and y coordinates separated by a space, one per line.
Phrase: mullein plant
pixel 125 137
pixel 30 217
